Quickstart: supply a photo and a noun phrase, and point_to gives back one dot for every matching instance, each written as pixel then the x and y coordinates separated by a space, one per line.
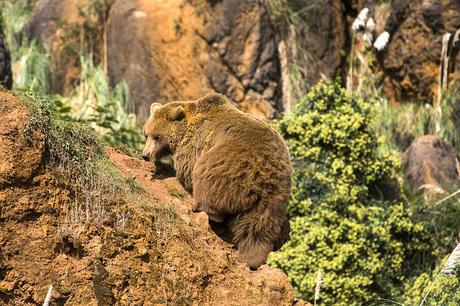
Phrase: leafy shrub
pixel 346 220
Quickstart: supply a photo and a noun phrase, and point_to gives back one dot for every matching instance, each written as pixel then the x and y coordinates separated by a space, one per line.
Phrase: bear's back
pixel 242 146
pixel 231 125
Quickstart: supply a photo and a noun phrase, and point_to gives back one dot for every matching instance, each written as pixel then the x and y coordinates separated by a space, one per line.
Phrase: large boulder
pixel 131 57
pixel 411 62
pixel 431 165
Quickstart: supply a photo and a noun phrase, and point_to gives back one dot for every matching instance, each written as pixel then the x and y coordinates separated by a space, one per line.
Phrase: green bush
pixel 346 219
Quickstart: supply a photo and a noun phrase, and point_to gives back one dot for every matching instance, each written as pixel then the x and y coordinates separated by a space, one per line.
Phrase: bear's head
pixel 168 123
pixel 163 129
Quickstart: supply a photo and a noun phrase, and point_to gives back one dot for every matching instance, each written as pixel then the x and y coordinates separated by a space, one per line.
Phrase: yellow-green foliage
pixel 443 224
pixel 444 291
pixel 341 224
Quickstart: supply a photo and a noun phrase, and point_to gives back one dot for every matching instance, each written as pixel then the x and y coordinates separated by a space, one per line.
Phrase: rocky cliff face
pixel 314 41
pixel 177 50
pixel 180 50
pixel 138 245
pixel 409 65
pixel 411 62
pixel 311 38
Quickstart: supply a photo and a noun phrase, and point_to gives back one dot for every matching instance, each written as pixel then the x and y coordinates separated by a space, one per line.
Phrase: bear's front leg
pixel 213 215
pixel 196 207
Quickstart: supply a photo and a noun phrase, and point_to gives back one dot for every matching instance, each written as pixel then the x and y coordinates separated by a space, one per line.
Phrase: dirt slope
pixel 137 246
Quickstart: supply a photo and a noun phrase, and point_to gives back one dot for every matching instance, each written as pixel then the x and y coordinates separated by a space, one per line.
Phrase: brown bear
pixel 236 167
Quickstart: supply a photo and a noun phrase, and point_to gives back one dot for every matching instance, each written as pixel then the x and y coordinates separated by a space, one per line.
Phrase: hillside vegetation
pixel 90 221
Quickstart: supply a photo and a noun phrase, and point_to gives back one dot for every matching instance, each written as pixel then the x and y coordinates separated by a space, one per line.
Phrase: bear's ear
pixel 213 99
pixel 176 113
pixel 154 107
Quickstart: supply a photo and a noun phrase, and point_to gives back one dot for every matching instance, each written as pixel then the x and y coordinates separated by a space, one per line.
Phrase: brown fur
pixel 236 166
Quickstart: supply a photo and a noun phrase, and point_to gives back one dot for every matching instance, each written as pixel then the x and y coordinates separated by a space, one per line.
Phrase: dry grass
pixel 48 297
pixel 453 261
pixel 319 281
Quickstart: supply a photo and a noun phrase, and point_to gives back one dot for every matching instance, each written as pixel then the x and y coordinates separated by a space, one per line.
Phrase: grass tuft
pixel 76 155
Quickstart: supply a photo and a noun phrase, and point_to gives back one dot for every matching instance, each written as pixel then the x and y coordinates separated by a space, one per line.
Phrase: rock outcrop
pixel 326 34
pixel 311 38
pixel 431 165
pixel 409 65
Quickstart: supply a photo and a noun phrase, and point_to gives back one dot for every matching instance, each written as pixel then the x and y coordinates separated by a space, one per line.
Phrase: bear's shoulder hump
pixel 213 99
